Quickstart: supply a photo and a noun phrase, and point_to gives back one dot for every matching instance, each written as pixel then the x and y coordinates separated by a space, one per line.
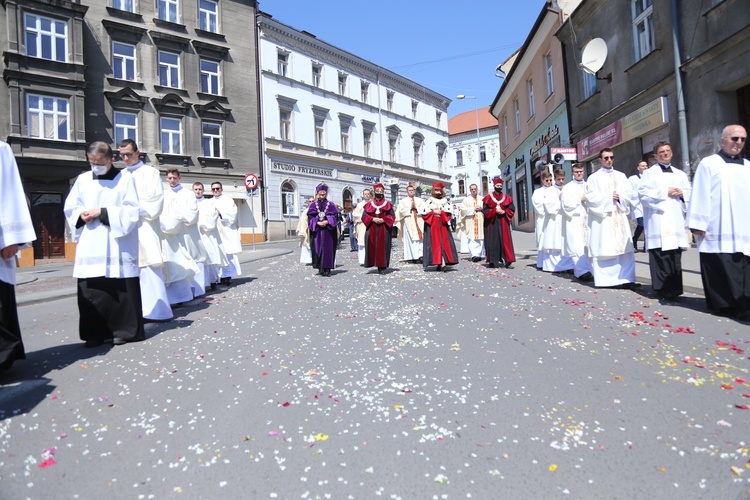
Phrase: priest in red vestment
pixel 378 218
pixel 498 210
pixel 439 247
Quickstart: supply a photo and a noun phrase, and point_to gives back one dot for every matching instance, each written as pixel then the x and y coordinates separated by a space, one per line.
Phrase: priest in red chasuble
pixel 498 210
pixel 378 218
pixel 439 247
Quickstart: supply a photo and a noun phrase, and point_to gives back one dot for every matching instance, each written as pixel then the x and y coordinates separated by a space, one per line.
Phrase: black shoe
pixel 586 278
pixel 491 266
pixel 439 268
pixel 420 260
pixel 93 343
pixel 381 270
pixel 119 341
pixel 226 281
pixel 476 259
pixel 508 266
pixel 213 286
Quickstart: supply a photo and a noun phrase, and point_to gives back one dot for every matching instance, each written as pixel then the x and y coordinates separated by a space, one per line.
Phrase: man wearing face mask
pixel 151 200
pixel 378 218
pixel 323 216
pixel 102 211
pixel 439 247
pixel 498 210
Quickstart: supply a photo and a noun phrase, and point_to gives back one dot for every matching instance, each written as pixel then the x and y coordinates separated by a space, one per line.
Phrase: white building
pixel 474 152
pixel 330 116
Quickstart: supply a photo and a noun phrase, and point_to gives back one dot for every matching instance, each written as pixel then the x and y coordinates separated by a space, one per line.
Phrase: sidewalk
pixel 54 280
pixel 525 247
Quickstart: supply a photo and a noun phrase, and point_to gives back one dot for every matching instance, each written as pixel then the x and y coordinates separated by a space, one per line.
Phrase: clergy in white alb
pixel 303 233
pixel 608 198
pixel 719 217
pixel 180 267
pixel 636 213
pixel 664 192
pixel 359 226
pixel 230 232
pixel 575 225
pixel 537 201
pixel 410 225
pixel 151 200
pixel 16 232
pixel 208 219
pixel 471 224
pixel 102 211
pixel 553 260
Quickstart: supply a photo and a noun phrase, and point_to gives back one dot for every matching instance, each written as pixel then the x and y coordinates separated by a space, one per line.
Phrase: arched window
pixel 287 199
pixel 461 187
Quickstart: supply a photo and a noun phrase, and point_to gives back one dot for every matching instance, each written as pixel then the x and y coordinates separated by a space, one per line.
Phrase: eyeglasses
pixel 126 155
pixel 738 139
pixel 605 158
pixel 215 189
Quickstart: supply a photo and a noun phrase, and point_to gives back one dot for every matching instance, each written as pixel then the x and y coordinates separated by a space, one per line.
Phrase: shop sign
pixel 608 137
pixel 646 119
pixel 290 168
pixel 552 132
pixel 370 178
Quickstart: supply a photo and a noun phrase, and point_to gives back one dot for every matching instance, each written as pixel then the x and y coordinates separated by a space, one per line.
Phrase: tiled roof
pixel 467 121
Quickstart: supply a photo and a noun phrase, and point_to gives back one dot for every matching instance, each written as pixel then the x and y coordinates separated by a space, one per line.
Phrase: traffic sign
pixel 251 181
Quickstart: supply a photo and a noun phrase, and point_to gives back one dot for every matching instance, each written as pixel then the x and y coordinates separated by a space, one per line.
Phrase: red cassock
pixel 497 236
pixel 378 236
pixel 438 240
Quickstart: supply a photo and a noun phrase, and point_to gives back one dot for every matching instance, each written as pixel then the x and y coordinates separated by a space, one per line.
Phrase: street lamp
pixel 476 116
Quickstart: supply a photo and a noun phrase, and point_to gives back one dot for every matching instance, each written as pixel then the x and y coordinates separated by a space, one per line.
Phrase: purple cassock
pixel 323 239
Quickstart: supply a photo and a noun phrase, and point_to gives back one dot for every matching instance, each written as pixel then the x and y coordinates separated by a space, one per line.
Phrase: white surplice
pixel 180 268
pixel 552 236
pixel 575 227
pixel 109 251
pixel 610 239
pixel 16 227
pixel 664 216
pixel 537 200
pixel 471 226
pixel 411 227
pixel 230 234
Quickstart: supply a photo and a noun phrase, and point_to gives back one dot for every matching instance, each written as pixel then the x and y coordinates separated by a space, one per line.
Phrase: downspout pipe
pixel 681 113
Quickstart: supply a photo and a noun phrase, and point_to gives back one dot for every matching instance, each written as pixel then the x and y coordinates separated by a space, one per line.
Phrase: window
pixel 210 77
pixel 126 5
pixel 126 126
pixel 171 136
pixel 589 84
pixel 441 147
pixel 459 158
pixel 438 118
pixel 282 63
pixel 367 142
pixel 365 91
pixel 285 125
pixel 505 131
pixel 48 117
pixel 123 61
pixel 46 38
pixel 320 131
pixel 287 199
pixel 417 141
pixel 211 139
pixel 643 28
pixel 389 99
pixel 414 106
pixel 169 69
pixel 522 209
pixel 342 84
pixel 168 11
pixel 392 143
pixel 345 137
pixel 517 110
pixel 550 74
pixel 208 15
pixel 485 185
pixel 461 187
pixel 530 87
pixel 317 72
pixel 482 154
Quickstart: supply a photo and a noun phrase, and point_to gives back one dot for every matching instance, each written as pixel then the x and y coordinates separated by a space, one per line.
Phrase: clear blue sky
pixel 447 46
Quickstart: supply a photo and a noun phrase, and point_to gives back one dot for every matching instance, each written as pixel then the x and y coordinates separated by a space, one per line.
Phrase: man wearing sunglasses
pixel 719 217
pixel 609 198
pixel 229 232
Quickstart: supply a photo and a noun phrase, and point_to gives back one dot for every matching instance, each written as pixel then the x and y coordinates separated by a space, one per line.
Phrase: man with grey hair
pixel 718 217
pixel 359 227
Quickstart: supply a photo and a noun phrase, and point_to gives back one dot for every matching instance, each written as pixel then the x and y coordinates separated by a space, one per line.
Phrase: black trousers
pixel 110 307
pixel 666 271
pixel 11 345
pixel 726 282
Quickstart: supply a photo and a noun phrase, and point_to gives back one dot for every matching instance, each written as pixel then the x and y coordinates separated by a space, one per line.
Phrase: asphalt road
pixel 474 383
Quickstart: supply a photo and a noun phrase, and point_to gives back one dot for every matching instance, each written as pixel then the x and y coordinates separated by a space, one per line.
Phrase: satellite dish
pixel 558 158
pixel 593 56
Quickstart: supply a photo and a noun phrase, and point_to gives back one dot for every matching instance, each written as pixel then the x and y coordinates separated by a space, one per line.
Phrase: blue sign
pixel 370 178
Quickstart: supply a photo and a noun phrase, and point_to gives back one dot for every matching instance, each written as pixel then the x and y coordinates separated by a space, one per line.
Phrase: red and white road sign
pixel 251 181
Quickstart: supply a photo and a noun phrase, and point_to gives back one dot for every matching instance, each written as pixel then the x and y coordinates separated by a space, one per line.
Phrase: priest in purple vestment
pixel 322 216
